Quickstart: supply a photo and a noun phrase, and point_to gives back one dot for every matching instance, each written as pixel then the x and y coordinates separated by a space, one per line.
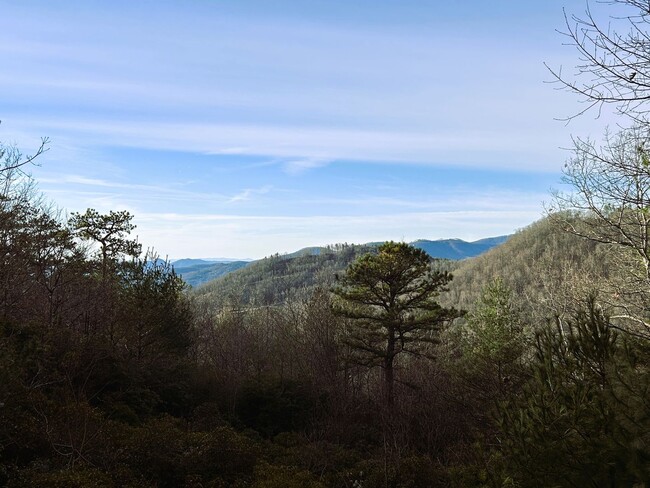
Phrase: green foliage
pixel 109 231
pixel 164 453
pixel 391 299
pixel 153 302
pixel 273 407
pixel 20 361
pixel 583 418
pixel 334 463
pixel 410 472
pixel 493 340
pixel 83 477
pixel 391 296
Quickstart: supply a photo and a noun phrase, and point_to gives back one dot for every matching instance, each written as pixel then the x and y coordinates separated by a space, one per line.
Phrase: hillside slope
pixel 276 279
pixel 196 272
pixel 546 268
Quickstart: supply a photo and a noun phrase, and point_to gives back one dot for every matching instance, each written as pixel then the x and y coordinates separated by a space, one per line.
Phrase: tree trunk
pixel 388 367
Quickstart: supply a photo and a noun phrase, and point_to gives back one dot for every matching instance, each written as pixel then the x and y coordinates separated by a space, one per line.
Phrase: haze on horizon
pixel 245 128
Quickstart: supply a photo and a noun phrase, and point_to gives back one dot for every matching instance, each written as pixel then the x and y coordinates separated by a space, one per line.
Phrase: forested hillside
pixel 353 366
pixel 276 279
pixel 349 366
pixel 314 265
pixel 548 268
pixel 280 279
pixel 545 267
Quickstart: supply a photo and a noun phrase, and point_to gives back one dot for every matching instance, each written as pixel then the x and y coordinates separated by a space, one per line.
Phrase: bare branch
pixel 12 159
pixel 614 59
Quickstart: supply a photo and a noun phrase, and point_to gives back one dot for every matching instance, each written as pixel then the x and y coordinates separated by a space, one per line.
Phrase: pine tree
pixel 390 297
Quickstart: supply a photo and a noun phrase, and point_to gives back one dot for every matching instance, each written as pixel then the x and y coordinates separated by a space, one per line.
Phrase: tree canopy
pixel 390 297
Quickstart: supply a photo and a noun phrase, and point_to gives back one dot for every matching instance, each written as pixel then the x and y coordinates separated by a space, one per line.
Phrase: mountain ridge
pixel 197 272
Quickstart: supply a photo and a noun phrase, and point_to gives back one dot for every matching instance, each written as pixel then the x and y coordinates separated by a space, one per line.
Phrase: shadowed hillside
pixel 276 278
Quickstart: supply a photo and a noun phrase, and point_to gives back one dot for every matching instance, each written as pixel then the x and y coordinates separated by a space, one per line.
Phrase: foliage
pixel 583 419
pixel 152 299
pixel 390 298
pixel 269 476
pixel 493 341
pixel 109 231
pixel 64 478
pixel 273 407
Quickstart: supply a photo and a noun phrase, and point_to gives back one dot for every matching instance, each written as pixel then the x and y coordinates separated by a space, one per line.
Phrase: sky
pixel 242 128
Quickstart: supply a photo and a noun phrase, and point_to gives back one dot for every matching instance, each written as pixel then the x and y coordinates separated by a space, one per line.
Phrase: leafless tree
pixel 614 58
pixel 610 204
pixel 11 158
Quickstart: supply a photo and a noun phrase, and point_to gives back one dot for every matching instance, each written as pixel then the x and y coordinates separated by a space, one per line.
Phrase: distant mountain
pixel 198 271
pixel 443 248
pixel 189 263
pixel 457 248
pixel 185 262
pixel 279 278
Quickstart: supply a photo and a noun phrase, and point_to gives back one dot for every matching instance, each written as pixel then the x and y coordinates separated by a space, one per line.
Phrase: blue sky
pixel 244 128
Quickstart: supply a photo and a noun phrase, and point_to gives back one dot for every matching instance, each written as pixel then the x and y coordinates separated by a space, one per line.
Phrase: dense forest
pixel 528 367
pixel 358 367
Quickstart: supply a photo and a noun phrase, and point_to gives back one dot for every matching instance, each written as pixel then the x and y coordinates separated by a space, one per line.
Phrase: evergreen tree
pixel 582 419
pixel 493 340
pixel 110 232
pixel 390 297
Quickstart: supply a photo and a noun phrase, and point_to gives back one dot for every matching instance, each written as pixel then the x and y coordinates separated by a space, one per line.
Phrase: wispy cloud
pixel 308 147
pixel 248 192
pixel 452 200
pixel 312 124
pixel 297 166
pixel 163 191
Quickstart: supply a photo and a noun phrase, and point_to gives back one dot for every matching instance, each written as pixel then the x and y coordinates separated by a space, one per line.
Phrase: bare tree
pixel 11 158
pixel 610 204
pixel 614 65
